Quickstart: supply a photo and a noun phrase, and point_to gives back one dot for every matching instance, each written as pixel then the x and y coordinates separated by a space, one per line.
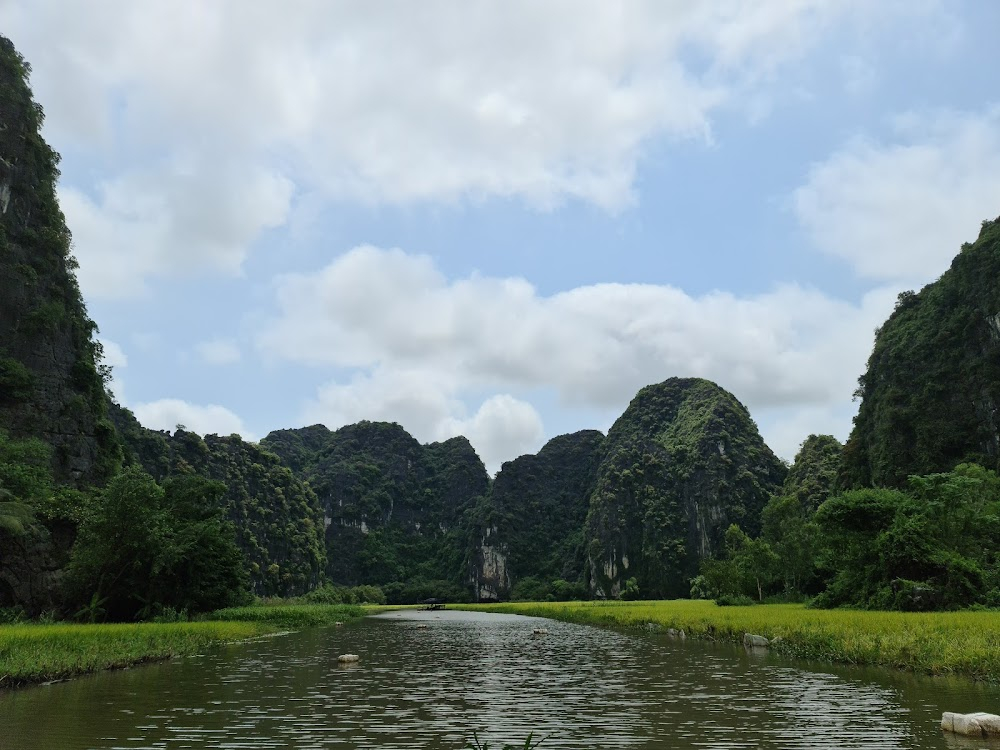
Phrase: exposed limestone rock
pixel 971 725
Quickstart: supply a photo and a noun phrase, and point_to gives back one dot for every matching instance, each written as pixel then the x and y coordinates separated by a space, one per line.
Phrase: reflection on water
pixel 429 687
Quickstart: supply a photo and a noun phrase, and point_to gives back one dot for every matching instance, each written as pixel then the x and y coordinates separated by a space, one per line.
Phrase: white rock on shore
pixel 971 725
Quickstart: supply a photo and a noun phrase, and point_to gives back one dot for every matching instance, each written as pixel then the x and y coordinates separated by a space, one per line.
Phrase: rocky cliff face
pixel 537 507
pixel 394 509
pixel 278 519
pixel 931 393
pixel 681 464
pixel 50 385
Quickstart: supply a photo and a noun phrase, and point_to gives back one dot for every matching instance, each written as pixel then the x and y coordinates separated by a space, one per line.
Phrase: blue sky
pixel 502 219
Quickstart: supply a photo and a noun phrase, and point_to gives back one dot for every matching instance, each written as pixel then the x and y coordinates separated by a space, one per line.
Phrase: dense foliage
pixel 144 549
pixel 930 394
pixel 681 464
pixel 277 518
pixel 931 546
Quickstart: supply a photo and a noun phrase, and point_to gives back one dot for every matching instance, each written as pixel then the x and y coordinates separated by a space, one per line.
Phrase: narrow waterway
pixel 428 679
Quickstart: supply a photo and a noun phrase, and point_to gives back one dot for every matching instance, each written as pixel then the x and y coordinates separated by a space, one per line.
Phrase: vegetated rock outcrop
pixel 277 517
pixel 396 512
pixel 931 393
pixel 681 464
pixel 812 477
pixel 50 383
pixel 532 523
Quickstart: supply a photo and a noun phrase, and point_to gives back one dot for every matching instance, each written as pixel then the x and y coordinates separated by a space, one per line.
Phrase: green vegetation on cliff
pixel 930 395
pixel 395 509
pixel 535 514
pixel 277 518
pixel 51 381
pixel 681 464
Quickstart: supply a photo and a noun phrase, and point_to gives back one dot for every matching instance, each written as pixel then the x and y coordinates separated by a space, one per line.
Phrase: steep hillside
pixel 394 508
pixel 930 395
pixel 278 519
pixel 533 522
pixel 681 464
pixel 51 386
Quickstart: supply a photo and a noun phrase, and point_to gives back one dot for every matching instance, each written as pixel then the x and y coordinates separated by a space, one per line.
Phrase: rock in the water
pixel 755 641
pixel 540 631
pixel 348 658
pixel 971 725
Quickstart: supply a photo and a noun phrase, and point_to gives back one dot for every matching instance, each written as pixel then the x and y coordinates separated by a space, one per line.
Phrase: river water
pixel 428 679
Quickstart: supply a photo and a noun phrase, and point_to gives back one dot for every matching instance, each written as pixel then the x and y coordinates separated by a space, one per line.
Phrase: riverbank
pixel 936 643
pixel 33 653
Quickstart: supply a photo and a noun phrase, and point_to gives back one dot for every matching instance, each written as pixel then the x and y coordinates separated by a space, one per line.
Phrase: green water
pixel 429 687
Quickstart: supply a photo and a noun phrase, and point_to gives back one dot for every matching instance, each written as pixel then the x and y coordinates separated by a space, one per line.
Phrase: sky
pixel 502 219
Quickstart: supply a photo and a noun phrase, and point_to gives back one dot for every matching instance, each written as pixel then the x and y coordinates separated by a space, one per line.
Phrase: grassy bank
pixel 38 653
pixel 965 643
pixel 31 653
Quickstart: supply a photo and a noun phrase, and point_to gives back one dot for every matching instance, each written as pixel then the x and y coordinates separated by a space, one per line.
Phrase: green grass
pixel 963 643
pixel 31 652
pixel 39 653
pixel 293 615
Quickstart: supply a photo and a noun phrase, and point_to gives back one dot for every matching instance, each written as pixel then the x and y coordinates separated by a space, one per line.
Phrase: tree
pixel 931 547
pixel 142 548
pixel 792 534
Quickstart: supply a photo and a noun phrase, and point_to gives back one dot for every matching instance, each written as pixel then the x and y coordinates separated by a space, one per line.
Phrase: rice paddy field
pixel 33 653
pixel 936 643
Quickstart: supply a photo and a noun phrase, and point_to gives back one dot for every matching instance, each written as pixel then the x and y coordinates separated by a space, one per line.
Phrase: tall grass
pixel 965 643
pixel 293 615
pixel 39 653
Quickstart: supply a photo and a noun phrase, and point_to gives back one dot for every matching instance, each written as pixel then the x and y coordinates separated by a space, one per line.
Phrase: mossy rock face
pixel 931 393
pixel 51 386
pixel 681 464
pixel 532 523
pixel 395 510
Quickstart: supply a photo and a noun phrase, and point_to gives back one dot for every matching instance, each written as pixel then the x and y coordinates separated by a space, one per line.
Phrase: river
pixel 428 679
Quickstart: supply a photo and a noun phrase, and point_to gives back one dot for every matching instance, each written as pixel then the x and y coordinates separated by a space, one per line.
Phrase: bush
pixel 335 594
pixel 734 600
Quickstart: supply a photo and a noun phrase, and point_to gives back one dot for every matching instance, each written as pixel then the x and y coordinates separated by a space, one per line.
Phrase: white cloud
pixel 426 403
pixel 421 342
pixel 900 211
pixel 117 360
pixel 219 351
pixel 384 102
pixel 114 355
pixel 167 413
pixel 502 428
pixel 149 224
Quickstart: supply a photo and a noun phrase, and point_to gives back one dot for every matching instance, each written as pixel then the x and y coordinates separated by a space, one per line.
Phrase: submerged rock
pixel 348 658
